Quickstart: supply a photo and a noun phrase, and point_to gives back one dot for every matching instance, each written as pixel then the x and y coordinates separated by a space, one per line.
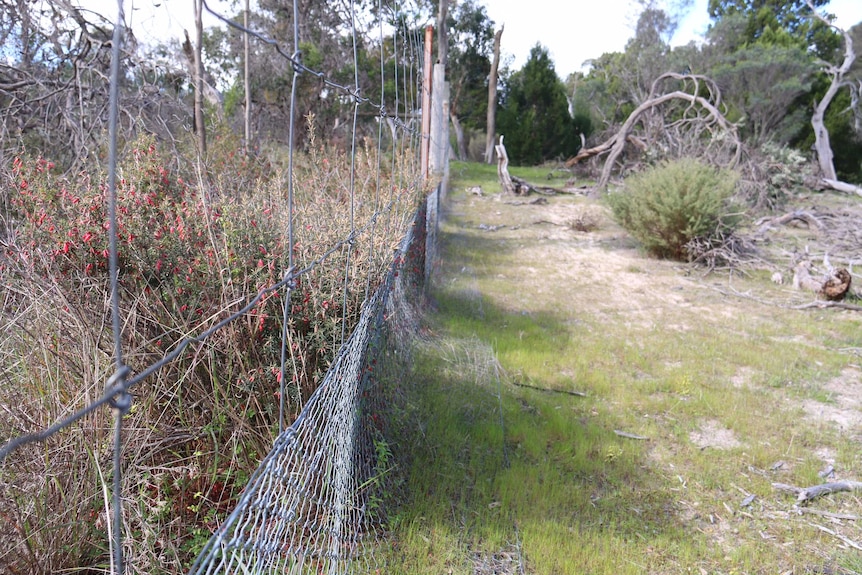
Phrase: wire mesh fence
pixel 317 500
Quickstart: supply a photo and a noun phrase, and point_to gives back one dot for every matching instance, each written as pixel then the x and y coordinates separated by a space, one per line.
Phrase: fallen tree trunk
pixel 800 215
pixel 833 286
pixel 513 184
pixel 809 493
pixel 840 186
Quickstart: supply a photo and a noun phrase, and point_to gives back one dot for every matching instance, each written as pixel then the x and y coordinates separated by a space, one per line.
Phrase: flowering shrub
pixel 170 244
pixel 192 250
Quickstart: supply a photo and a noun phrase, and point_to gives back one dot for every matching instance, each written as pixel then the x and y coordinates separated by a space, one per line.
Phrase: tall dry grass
pixel 194 246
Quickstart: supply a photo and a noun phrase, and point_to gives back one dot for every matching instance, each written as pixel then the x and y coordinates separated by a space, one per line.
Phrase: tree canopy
pixel 534 113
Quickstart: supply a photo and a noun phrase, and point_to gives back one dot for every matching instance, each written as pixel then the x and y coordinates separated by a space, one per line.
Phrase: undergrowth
pixel 194 247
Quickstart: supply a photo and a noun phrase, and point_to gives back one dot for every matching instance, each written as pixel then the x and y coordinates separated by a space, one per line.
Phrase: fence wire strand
pixel 314 504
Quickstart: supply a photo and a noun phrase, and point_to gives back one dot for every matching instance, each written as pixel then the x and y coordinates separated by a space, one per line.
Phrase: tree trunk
pixel 503 168
pixel 492 99
pixel 459 137
pixel 200 128
pixel 442 34
pixel 246 80
pixel 821 135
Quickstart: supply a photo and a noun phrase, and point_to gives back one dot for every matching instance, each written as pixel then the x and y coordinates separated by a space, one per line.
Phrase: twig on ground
pixel 549 390
pixel 830 515
pixel 846 540
pixel 630 435
pixel 814 304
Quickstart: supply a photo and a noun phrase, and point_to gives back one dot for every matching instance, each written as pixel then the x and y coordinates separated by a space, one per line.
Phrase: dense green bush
pixel 669 205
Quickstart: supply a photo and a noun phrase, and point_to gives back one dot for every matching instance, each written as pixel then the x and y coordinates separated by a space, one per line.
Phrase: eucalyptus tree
pixel 471 45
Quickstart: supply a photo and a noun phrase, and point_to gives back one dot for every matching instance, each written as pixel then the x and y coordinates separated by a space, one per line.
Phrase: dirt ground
pixel 573 242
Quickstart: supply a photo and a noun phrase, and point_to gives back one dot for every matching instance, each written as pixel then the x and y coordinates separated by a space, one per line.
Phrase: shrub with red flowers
pixel 171 243
pixel 193 248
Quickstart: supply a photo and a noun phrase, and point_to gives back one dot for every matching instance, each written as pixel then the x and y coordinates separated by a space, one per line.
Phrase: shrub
pixel 192 247
pixel 667 206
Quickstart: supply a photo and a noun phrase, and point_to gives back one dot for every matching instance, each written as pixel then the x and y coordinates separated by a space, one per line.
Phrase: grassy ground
pixel 580 408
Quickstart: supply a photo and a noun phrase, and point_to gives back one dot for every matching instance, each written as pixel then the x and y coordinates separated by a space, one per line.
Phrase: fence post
pixel 439 121
pixel 426 103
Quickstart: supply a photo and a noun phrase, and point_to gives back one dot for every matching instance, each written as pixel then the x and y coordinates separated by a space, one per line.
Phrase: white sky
pixel 578 30
pixel 573 30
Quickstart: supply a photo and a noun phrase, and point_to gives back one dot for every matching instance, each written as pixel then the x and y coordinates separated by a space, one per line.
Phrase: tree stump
pixel 503 168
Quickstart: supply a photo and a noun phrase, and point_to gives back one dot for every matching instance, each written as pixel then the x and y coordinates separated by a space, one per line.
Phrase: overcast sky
pixel 574 31
pixel 586 29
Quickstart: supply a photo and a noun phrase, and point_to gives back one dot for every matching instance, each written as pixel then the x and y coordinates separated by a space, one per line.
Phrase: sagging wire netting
pixel 317 501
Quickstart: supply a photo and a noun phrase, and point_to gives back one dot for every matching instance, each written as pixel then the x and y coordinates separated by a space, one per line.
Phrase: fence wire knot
pixel 296 60
pixel 122 400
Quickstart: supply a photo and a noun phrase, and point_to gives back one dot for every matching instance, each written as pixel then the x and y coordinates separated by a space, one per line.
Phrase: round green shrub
pixel 667 206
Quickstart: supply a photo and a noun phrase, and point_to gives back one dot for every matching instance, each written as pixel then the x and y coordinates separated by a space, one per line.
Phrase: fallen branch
pixel 549 390
pixel 703 109
pixel 809 493
pixel 630 435
pixel 825 304
pixel 841 186
pixel 814 304
pixel 535 202
pixel 513 184
pixel 846 540
pixel 829 514
pixel 767 223
pixel 523 187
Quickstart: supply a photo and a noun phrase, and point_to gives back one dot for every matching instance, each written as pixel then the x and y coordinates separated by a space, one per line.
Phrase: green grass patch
pixel 508 460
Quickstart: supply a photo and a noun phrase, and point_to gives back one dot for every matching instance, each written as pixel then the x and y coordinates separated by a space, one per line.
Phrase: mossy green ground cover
pixel 578 407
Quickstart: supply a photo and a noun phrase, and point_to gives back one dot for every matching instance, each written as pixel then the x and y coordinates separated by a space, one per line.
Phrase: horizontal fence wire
pixel 317 502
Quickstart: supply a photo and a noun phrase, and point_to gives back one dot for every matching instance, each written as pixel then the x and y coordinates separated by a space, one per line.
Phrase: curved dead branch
pixel 700 119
